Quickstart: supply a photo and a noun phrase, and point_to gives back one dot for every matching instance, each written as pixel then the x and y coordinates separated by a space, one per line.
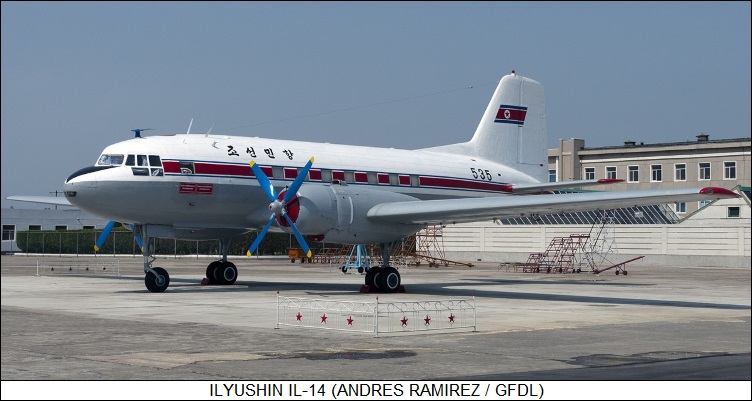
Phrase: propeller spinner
pixel 279 205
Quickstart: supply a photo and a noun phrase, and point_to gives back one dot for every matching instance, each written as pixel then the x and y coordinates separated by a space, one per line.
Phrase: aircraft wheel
pixel 360 270
pixel 211 271
pixel 617 272
pixel 371 276
pixel 158 282
pixel 227 273
pixel 344 269
pixel 625 272
pixel 389 280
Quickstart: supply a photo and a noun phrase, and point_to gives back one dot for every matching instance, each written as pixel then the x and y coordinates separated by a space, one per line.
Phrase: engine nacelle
pixel 338 212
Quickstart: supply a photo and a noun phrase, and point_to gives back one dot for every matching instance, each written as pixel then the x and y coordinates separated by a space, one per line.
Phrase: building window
pixel 734 211
pixel 88 227
pixel 704 171
pixel 61 228
pixel 680 207
pixel 35 227
pixel 656 173
pixel 589 173
pixel 551 175
pixel 703 203
pixel 9 232
pixel 680 172
pixel 611 172
pixel 729 170
pixel 634 174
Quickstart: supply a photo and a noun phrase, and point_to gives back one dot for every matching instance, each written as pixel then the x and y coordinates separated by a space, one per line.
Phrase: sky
pixel 78 76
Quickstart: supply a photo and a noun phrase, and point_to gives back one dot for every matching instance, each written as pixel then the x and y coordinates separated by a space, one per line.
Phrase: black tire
pixel 389 280
pixel 228 273
pixel 158 282
pixel 360 270
pixel 344 269
pixel 211 271
pixel 371 276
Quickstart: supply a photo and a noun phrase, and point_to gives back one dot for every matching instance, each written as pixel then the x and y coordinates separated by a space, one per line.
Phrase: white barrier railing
pixel 76 266
pixel 376 317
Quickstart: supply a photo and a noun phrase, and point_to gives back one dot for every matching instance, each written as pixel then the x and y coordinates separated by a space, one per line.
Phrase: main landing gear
pixel 384 278
pixel 222 272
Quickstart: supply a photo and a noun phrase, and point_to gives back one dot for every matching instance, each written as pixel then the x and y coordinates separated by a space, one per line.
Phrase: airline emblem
pixel 511 114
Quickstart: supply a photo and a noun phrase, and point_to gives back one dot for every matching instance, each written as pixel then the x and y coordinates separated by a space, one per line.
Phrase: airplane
pixel 211 186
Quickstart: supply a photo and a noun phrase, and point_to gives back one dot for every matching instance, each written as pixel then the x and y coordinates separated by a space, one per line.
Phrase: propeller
pixel 279 205
pixel 106 232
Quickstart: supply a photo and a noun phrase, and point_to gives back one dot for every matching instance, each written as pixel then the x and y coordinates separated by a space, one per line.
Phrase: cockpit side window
pixel 154 161
pixel 110 160
pixel 142 160
pixel 130 160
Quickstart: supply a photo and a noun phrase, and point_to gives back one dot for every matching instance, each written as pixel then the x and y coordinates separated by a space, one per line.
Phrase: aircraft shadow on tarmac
pixel 447 290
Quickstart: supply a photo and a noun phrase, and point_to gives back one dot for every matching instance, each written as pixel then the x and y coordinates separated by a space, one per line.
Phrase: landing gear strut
pixel 156 278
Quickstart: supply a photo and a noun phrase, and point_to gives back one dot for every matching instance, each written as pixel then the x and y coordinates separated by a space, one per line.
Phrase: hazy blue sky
pixel 77 77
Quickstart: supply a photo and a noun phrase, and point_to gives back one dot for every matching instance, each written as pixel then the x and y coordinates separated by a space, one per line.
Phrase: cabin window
pixel 110 160
pixel 338 175
pixel 361 177
pixel 383 178
pixel 314 175
pixel 404 180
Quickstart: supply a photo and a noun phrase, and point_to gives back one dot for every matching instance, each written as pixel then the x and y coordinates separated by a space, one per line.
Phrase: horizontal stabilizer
pixel 47 200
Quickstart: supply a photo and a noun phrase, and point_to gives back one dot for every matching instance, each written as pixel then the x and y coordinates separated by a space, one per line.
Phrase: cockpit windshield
pixel 110 160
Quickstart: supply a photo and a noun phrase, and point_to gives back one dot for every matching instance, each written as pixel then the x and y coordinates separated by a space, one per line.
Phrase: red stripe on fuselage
pixel 462 184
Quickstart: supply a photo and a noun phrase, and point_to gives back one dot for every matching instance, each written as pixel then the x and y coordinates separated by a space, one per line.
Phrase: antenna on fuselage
pixel 211 128
pixel 189 127
pixel 138 131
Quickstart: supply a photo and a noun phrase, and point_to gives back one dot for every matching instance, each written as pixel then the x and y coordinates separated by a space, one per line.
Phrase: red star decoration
pixel 404 321
pixel 451 318
pixel 299 316
pixel 349 321
pixel 428 320
pixel 323 318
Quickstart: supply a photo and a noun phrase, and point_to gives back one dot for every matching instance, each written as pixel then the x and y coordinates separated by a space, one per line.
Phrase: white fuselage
pixel 205 180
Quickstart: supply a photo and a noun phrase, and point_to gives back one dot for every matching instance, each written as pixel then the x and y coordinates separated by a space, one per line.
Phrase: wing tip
pixel 720 192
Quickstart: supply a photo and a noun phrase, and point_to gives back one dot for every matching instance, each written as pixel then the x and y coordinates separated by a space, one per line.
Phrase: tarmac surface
pixel 657 323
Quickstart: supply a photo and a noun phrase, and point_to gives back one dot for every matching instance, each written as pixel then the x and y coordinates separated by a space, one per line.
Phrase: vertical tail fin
pixel 512 131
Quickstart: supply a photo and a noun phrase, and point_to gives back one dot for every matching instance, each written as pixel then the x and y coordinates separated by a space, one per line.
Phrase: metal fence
pixel 376 317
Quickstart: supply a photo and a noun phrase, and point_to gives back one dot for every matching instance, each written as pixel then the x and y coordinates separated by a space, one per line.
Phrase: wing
pixel 47 200
pixel 479 209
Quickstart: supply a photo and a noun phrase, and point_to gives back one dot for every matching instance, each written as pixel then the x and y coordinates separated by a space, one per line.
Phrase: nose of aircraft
pixel 79 185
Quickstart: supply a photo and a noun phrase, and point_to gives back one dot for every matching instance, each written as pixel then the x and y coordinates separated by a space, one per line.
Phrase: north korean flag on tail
pixel 511 115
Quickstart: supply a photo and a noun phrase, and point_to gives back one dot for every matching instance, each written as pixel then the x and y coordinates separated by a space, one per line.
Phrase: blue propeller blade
pixel 264 182
pixel 293 189
pixel 103 237
pixel 260 236
pixel 298 236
